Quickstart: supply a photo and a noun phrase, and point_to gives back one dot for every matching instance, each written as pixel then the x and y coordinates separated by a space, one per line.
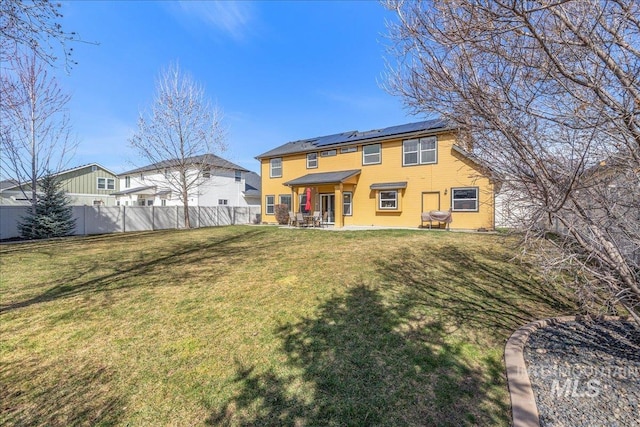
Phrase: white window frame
pixel 270 208
pixel 312 160
pixel 108 184
pixel 238 175
pixel 275 171
pixel 420 151
pixel 348 204
pixel 388 199
pixel 127 181
pixel 476 200
pixel 328 153
pixel 223 202
pixel 281 201
pixel 345 150
pixel 206 173
pixel 367 157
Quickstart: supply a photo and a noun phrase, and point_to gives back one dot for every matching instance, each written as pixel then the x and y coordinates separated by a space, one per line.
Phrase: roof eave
pixel 371 140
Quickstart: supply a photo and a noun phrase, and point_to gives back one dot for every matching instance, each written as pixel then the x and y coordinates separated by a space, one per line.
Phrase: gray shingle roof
pixel 388 185
pixel 205 159
pixel 349 138
pixel 323 178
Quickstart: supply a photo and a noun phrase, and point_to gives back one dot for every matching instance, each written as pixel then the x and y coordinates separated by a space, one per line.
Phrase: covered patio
pixel 327 191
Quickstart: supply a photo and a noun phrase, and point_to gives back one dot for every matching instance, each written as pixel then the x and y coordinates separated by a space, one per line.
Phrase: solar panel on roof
pixel 392 130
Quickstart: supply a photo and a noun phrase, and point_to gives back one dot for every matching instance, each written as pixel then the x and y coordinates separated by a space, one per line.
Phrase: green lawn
pixel 263 326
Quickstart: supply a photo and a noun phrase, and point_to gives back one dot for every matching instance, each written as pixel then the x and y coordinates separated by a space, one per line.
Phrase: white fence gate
pixel 118 219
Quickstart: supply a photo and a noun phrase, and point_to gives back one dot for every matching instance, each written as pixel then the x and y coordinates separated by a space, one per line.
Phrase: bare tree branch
pixel 548 95
pixel 178 133
pixel 35 133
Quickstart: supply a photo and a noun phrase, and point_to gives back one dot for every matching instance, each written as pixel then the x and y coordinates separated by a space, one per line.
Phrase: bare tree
pixel 34 26
pixel 179 133
pixel 548 94
pixel 35 133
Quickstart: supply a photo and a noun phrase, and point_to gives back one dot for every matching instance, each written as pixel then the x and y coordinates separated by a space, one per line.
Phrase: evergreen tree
pixel 53 215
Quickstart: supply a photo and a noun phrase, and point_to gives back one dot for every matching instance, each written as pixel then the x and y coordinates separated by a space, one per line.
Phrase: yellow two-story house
pixel 384 177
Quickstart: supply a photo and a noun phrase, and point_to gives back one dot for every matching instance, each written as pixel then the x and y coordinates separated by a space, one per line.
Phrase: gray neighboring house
pixel 91 184
pixel 252 186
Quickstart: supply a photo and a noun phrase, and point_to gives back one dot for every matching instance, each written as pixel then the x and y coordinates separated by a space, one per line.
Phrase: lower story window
pixel 285 199
pixel 223 201
pixel 347 203
pixel 388 199
pixel 270 202
pixel 464 199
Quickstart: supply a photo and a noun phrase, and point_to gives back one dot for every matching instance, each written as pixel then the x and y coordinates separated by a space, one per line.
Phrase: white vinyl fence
pixel 117 219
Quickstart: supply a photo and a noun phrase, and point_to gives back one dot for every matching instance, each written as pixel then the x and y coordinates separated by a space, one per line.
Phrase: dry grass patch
pixel 262 326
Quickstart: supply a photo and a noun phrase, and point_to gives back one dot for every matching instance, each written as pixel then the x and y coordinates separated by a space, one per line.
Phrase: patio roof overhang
pixel 137 190
pixel 389 185
pixel 324 178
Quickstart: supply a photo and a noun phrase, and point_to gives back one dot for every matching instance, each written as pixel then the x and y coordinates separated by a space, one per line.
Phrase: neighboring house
pixel 219 182
pixel 384 177
pixel 90 184
pixel 252 187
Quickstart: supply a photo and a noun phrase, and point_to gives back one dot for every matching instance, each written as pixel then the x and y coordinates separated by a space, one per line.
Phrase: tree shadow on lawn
pixel 157 268
pixel 362 363
pixel 33 393
pixel 486 290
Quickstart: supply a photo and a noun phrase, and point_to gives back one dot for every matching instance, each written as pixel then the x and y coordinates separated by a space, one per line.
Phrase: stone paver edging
pixel 523 403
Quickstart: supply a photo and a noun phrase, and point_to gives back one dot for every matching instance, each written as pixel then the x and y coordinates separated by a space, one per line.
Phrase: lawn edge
pixel 523 404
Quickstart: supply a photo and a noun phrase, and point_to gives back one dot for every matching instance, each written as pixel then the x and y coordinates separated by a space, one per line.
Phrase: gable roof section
pixel 252 184
pixel 134 190
pixel 11 184
pixel 204 159
pixel 323 178
pixel 351 137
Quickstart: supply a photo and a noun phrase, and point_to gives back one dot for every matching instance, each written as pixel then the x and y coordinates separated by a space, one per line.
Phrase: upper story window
pixel 328 153
pixel 344 150
pixel 127 181
pixel 206 173
pixel 464 199
pixel 371 154
pixel 238 176
pixel 312 160
pixel 106 184
pixel 275 168
pixel 421 151
pixel 167 173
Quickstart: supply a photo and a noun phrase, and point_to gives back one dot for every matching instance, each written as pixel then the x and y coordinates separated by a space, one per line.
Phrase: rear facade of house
pixel 385 177
pixel 91 184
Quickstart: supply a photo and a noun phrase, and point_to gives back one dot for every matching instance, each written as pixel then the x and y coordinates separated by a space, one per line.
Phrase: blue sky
pixel 279 71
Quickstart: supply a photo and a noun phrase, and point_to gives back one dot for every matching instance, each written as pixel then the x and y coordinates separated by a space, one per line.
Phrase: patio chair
pixel 317 219
pixel 324 219
pixel 300 219
pixel 292 219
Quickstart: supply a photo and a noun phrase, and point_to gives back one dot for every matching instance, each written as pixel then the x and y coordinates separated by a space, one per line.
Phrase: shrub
pixel 282 214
